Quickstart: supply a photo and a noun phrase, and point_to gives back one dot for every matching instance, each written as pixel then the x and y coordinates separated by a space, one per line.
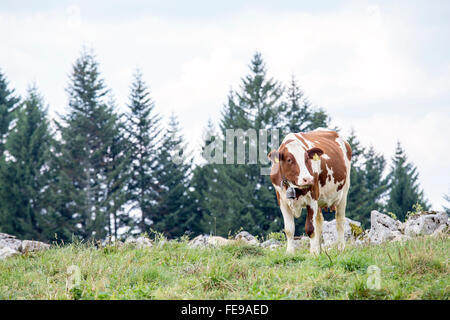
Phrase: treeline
pixel 96 173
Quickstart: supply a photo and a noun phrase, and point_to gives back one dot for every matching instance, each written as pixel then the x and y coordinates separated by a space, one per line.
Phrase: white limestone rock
pixel 139 242
pixel 426 223
pixel 199 241
pixel 247 238
pixel 7 252
pixel 34 246
pixel 10 241
pixel 329 232
pixel 383 228
pixel 271 244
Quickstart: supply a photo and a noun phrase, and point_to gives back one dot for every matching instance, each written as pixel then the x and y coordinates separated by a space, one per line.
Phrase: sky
pixel 381 68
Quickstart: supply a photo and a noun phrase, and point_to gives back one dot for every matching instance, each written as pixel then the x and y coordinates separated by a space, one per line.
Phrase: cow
pixel 311 170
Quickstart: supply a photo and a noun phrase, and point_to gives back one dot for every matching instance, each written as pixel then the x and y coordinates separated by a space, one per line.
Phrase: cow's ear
pixel 274 156
pixel 314 151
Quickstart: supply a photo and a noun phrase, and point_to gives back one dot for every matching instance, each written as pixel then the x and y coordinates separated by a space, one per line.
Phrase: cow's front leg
pixel 316 236
pixel 289 227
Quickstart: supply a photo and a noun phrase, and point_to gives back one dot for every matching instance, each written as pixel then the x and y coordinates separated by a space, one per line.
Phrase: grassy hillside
pixel 417 269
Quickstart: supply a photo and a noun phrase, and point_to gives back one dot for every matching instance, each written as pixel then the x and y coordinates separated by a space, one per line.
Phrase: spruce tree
pixel 24 174
pixel 173 209
pixel 8 102
pixel 143 134
pixel 298 114
pixel 117 176
pixel 404 188
pixel 200 183
pixel 357 198
pixel 375 183
pixel 87 133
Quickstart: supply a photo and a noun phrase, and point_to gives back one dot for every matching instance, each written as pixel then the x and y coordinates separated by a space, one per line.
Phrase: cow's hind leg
pixel 289 227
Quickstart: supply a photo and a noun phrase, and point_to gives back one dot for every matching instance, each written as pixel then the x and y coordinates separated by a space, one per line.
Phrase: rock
pixel 247 238
pixel 383 228
pixel 271 244
pixel 33 246
pixel 7 252
pixel 199 241
pixel 425 223
pixel 10 241
pixel 140 242
pixel 218 241
pixel 442 229
pixel 401 238
pixel 204 240
pixel 329 232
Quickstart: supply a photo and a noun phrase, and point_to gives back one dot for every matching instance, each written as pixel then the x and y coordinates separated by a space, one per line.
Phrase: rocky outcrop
pixel 9 241
pixel 329 232
pixel 425 223
pixel 7 252
pixel 271 244
pixel 10 246
pixel 33 246
pixel 383 228
pixel 140 242
pixel 246 237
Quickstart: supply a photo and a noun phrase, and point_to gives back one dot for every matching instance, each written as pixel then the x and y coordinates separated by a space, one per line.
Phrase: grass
pixel 416 269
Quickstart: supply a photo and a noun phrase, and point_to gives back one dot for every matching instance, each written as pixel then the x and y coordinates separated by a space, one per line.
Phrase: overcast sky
pixel 380 67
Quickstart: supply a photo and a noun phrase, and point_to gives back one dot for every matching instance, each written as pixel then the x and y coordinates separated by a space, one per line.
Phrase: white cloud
pixel 345 61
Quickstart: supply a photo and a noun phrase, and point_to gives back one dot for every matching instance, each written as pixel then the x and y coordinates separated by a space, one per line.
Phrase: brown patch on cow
pixel 315 192
pixel 278 197
pixel 299 137
pixel 309 227
pixel 289 167
pixel 326 141
pixel 301 192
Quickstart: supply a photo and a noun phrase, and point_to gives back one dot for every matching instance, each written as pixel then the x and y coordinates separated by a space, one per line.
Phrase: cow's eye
pixel 289 160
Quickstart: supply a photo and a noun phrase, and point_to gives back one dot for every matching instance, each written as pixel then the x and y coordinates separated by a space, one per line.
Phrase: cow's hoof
pixel 341 246
pixel 314 251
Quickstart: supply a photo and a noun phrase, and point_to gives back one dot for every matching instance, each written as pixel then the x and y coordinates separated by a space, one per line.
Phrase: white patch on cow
pixel 325 156
pixel 298 152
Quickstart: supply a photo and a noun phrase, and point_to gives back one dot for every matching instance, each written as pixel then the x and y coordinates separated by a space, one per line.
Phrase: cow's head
pixel 293 163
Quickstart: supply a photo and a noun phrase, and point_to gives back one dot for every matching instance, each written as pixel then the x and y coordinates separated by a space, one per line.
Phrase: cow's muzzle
pixel 290 193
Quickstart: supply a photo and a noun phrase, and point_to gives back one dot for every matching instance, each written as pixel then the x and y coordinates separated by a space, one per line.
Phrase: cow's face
pixel 293 163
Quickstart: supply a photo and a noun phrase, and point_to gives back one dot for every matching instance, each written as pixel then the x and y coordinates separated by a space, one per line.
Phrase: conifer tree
pixel 357 198
pixel 8 102
pixel 24 194
pixel 404 188
pixel 173 209
pixel 376 184
pixel 143 134
pixel 298 113
pixel 87 132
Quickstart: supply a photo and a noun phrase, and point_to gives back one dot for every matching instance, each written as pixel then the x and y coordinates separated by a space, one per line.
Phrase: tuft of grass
pixel 241 250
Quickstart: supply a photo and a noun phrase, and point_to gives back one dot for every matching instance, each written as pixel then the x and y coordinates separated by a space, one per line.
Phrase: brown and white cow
pixel 311 170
